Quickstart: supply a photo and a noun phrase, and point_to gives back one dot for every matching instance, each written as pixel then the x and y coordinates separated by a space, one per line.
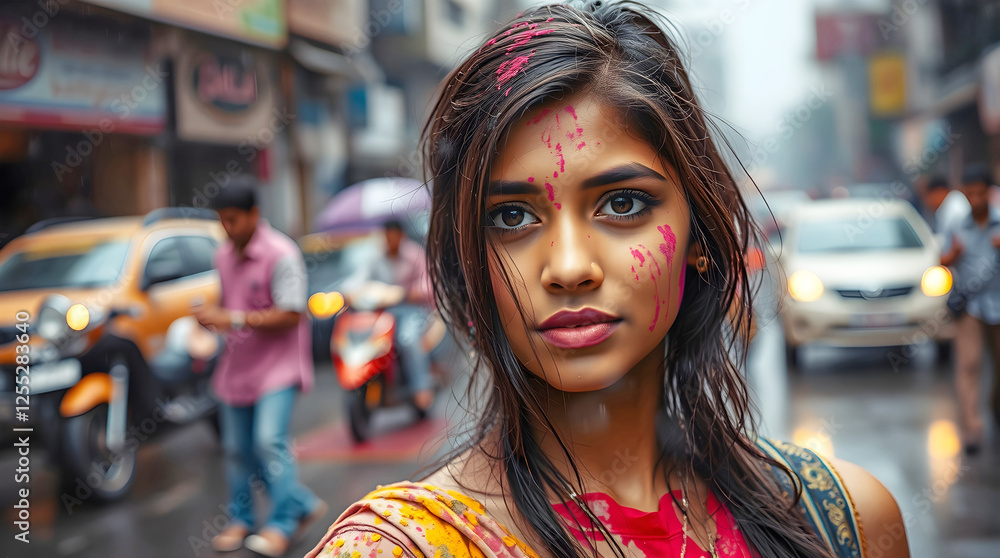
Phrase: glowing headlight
pixel 323 305
pixel 78 317
pixel 804 285
pixel 936 281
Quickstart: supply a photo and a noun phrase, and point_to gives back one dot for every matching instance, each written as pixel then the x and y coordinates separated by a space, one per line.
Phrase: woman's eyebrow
pixel 512 187
pixel 621 174
pixel 610 176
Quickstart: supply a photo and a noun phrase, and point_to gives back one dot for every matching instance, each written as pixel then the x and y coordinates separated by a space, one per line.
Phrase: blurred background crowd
pixel 869 131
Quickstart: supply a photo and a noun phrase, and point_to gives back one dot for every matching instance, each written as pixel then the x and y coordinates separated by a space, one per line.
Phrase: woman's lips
pixel 580 336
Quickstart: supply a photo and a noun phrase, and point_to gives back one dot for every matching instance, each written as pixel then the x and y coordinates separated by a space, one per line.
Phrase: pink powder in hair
pixel 522 38
pixel 509 69
pixel 507 92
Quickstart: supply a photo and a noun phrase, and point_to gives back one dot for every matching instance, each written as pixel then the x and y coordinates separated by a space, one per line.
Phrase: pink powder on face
pixel 580 145
pixel 579 130
pixel 652 260
pixel 637 255
pixel 553 243
pixel 562 160
pixel 509 69
pixel 656 314
pixel 635 272
pixel 669 246
pixel 539 118
pixel 552 193
pixel 531 179
pixel 680 291
pixel 558 205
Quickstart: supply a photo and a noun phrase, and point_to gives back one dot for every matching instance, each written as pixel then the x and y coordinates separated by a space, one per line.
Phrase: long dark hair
pixel 620 54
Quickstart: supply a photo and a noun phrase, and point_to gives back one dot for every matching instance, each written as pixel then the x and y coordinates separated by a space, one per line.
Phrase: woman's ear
pixel 695 251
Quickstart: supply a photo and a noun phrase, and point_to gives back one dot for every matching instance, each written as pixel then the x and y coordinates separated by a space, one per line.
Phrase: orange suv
pixel 92 315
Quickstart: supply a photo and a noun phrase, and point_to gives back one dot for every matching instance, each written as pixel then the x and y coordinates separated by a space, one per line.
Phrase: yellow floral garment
pixel 418 519
pixel 414 520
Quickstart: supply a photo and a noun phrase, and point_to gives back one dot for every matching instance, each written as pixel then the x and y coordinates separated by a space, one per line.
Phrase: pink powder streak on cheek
pixel 669 246
pixel 581 145
pixel 637 255
pixel 636 273
pixel 680 291
pixel 652 260
pixel 656 299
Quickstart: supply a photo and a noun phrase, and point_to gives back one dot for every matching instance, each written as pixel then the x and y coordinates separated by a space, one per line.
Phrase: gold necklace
pixel 684 529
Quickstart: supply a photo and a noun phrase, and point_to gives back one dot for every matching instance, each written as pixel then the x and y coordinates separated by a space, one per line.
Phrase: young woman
pixel 588 237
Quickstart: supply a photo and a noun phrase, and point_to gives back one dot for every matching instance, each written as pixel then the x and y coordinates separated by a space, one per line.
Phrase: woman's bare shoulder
pixel 880 517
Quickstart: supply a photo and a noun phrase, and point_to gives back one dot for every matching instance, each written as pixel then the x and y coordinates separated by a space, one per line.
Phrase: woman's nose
pixel 572 264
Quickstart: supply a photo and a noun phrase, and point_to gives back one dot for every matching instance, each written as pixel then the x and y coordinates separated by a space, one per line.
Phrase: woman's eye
pixel 622 204
pixel 512 218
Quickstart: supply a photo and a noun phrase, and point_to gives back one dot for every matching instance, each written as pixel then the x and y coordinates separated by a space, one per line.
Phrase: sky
pixel 767 49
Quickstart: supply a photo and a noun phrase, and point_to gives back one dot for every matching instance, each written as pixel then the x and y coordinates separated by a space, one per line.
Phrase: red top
pixel 658 533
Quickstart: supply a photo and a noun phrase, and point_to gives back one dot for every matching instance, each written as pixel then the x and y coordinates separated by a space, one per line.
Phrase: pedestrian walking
pixel 971 250
pixel 266 362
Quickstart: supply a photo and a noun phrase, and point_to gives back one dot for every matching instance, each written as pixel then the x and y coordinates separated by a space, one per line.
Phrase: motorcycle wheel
pixel 87 459
pixel 359 414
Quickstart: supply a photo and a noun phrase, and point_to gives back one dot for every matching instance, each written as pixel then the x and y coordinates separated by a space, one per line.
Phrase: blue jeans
pixel 411 322
pixel 259 458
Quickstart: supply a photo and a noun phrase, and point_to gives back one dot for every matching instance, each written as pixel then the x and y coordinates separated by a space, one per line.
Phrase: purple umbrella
pixel 366 205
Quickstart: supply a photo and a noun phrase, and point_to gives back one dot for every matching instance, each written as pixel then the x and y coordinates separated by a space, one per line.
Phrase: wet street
pixel 852 404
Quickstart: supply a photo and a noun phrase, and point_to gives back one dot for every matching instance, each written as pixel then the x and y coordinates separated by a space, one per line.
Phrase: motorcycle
pixel 120 397
pixel 365 357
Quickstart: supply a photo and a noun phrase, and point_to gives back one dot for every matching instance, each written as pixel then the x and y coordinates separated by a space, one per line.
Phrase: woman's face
pixel 591 229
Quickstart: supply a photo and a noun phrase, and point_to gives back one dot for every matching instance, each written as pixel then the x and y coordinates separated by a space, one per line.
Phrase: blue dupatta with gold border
pixel 825 502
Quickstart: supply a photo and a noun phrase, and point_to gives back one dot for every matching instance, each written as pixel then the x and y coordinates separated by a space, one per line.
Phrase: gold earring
pixel 701 264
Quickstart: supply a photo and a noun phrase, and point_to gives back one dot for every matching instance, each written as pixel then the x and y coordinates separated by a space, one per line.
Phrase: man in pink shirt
pixel 267 359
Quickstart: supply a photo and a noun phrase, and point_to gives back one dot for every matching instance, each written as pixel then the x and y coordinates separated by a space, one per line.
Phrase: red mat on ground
pixel 334 442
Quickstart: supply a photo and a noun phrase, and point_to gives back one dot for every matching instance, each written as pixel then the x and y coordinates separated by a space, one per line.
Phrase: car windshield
pixel 849 235
pixel 90 266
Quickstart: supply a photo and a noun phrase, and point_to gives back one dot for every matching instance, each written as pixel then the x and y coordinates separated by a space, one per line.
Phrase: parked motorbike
pixel 121 398
pixel 364 354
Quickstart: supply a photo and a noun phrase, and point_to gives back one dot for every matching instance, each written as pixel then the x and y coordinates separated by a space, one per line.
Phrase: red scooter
pixel 363 351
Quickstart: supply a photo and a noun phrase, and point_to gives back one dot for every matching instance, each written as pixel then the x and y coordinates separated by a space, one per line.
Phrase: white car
pixel 862 273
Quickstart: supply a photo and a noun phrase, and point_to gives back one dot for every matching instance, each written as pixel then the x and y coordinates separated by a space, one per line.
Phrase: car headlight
pixel 51 324
pixel 78 317
pixel 936 281
pixel 805 285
